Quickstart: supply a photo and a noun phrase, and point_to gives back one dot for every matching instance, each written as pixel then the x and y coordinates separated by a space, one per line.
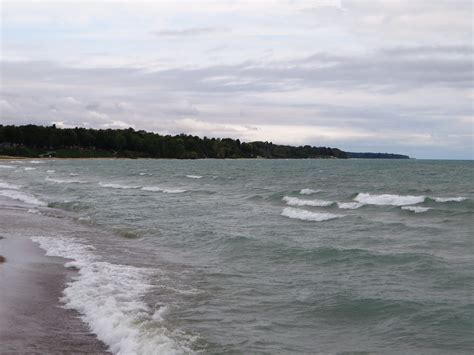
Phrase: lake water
pixel 262 256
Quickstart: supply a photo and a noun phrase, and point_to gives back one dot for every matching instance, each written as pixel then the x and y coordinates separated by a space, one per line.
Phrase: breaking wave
pixel 349 205
pixel 294 201
pixel 416 209
pixel 7 185
pixel 449 199
pixel 304 215
pixel 387 199
pixel 109 298
pixel 308 191
pixel 194 176
pixel 22 196
pixel 64 181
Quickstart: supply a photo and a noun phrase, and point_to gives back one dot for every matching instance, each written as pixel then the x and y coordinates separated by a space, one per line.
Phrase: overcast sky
pixel 374 75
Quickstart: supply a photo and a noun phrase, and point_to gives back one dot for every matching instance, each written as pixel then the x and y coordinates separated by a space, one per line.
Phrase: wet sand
pixel 32 320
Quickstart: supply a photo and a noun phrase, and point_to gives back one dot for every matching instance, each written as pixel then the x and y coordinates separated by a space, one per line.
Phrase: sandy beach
pixel 32 319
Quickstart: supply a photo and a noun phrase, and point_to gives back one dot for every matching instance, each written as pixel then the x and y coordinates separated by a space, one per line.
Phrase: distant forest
pixel 37 141
pixel 41 141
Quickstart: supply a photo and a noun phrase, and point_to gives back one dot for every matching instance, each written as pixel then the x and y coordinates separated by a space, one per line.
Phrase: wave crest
pixel 296 213
pixel 387 199
pixel 294 201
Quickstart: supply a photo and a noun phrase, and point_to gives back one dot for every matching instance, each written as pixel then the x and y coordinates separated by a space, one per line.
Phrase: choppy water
pixel 270 256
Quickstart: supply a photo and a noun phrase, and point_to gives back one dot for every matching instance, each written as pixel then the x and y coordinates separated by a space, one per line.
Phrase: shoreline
pixel 32 318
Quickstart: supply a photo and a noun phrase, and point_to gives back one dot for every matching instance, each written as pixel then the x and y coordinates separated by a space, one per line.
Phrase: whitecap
pixel 29 168
pixel 194 176
pixel 50 171
pixel 36 162
pixel 7 167
pixel 64 181
pixel 349 205
pixel 7 185
pixel 22 196
pixel 387 199
pixel 308 191
pixel 160 189
pixel 294 201
pixel 449 199
pixel 109 298
pixel 304 215
pixel 118 186
pixel 73 174
pixel 416 209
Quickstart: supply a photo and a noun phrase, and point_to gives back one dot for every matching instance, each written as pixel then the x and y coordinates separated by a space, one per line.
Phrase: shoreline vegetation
pixel 31 141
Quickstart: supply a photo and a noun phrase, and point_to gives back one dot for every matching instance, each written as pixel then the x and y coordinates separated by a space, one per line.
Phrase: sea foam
pixel 386 199
pixel 28 168
pixel 22 196
pixel 109 298
pixel 194 176
pixel 294 201
pixel 304 215
pixel 7 167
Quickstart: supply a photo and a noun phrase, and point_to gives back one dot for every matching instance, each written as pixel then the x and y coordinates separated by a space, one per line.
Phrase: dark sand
pixel 32 320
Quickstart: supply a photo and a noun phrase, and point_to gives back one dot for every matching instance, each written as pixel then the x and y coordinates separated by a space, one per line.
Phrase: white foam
pixel 50 171
pixel 160 189
pixel 73 174
pixel 109 298
pixel 349 205
pixel 118 186
pixel 386 199
pixel 7 167
pixel 28 168
pixel 194 176
pixel 308 191
pixel 304 215
pixel 416 209
pixel 22 196
pixel 64 181
pixel 294 201
pixel 449 199
pixel 36 162
pixel 6 185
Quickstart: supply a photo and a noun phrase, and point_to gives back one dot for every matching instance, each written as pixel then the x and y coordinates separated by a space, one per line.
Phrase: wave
pixel 6 185
pixel 194 176
pixel 296 213
pixel 7 167
pixel 416 209
pixel 50 171
pixel 308 191
pixel 22 196
pixel 387 199
pixel 448 199
pixel 160 189
pixel 28 168
pixel 109 298
pixel 63 181
pixel 294 201
pixel 349 205
pixel 35 162
pixel 118 186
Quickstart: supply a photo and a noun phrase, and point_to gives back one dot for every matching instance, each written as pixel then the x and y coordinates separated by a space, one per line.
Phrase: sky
pixel 360 75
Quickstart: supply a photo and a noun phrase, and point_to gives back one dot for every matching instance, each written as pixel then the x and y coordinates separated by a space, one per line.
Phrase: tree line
pixel 34 141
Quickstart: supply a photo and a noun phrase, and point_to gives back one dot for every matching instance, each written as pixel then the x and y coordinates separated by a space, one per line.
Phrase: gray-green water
pixel 263 256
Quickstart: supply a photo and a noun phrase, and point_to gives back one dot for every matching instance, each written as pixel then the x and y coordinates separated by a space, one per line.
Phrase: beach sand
pixel 32 319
